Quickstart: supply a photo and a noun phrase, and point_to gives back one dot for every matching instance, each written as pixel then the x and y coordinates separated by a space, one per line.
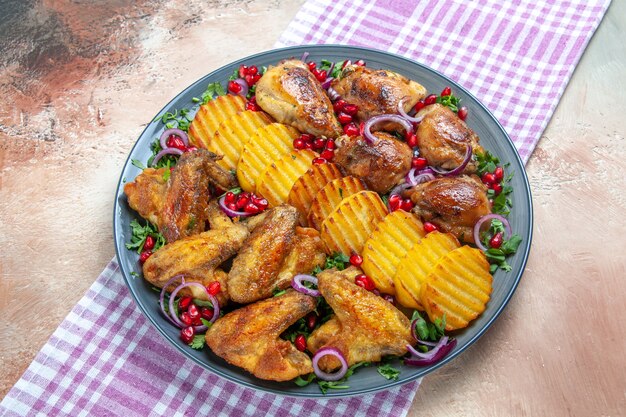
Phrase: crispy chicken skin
pixel 380 165
pixel 454 204
pixel 366 327
pixel 249 337
pixel 377 91
pixel 292 95
pixel 443 138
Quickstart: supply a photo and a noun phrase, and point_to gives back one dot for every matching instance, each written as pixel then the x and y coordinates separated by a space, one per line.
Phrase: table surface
pixel 79 84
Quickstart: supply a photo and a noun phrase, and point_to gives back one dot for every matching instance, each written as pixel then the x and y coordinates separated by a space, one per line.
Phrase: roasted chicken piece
pixel 249 337
pixel 365 327
pixel 291 94
pixel 443 138
pixel 377 91
pixel 454 204
pixel 178 206
pixel 381 165
pixel 274 252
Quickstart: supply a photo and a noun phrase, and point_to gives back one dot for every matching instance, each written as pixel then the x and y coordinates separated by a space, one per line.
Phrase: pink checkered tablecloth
pixel 516 56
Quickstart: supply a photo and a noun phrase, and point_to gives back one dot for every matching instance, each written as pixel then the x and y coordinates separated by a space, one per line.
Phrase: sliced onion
pixel 297 285
pixel 367 133
pixel 229 212
pixel 326 83
pixel 335 376
pixel 244 87
pixel 216 305
pixel 405 115
pixel 460 168
pixel 415 177
pixel 173 131
pixel 305 55
pixel 432 356
pixel 489 217
pixel 162 296
pixel 166 151
pixel 333 94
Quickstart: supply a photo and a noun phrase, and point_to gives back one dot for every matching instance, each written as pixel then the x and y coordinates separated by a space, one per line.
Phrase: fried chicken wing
pixel 146 194
pixel 249 337
pixel 377 91
pixel 290 93
pixel 366 327
pixel 381 165
pixel 443 138
pixel 454 204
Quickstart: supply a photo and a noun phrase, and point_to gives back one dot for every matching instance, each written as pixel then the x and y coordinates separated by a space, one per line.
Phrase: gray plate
pixel 365 380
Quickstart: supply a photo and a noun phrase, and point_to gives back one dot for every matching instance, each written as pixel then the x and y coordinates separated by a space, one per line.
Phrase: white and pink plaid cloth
pixel 515 56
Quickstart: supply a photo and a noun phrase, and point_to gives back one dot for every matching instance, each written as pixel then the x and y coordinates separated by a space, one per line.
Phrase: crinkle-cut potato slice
pixel 211 115
pixel 330 196
pixel 267 144
pixel 417 264
pixel 459 286
pixel 307 186
pixel 387 245
pixel 347 228
pixel 232 135
pixel 274 184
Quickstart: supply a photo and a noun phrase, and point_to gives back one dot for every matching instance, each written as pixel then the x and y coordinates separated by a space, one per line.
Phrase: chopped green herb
pixel 486 162
pixel 341 384
pixel 303 382
pixel 337 260
pixel 179 119
pixel 198 342
pixel 497 256
pixel 278 292
pixel 426 330
pixel 202 303
pixel 450 101
pixel 388 372
pixel 138 163
pixel 325 65
pixel 139 235
pixel 206 322
pixel 212 90
pixel 136 275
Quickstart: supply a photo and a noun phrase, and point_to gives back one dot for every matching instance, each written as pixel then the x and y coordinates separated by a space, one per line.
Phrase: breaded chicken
pixel 146 194
pixel 366 327
pixel 249 337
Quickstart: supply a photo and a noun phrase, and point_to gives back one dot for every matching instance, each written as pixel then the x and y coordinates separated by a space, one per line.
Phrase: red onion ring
pixel 173 131
pixel 335 376
pixel 162 296
pixel 460 168
pixel 414 177
pixel 405 115
pixel 432 356
pixel 229 212
pixel 216 305
pixel 166 151
pixel 244 87
pixel 326 83
pixel 489 217
pixel 370 138
pixel 305 55
pixel 333 94
pixel 297 285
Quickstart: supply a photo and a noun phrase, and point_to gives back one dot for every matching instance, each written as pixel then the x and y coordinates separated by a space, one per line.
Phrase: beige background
pixel 70 114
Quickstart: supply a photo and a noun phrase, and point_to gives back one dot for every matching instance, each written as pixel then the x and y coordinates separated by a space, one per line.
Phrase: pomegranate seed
pixel 193 311
pixel 356 260
pixel 496 240
pixel 298 143
pixel 312 65
pixel 261 203
pixel 307 137
pixel 430 227
pixel 248 79
pixel 360 63
pixel 327 155
pixel 406 204
pixel 488 178
pixel 143 257
pixel 234 87
pixel 361 128
pixel 308 145
pixel 419 162
pixel 230 197
pixel 242 202
pixel 243 70
pixel 344 118
pixel 339 106
pixel 191 149
pixel 351 109
pixel 206 313
pixel 149 243
pixel 365 282
pixel 498 173
pixel 446 91
pixel 411 140
pixel 176 142
pixel 184 303
pixel 496 187
pixel 319 144
pixel 253 70
pixel 431 99
pixel 232 206
pixel 251 208
pixel 390 298
pixel 311 321
pixel 394 201
pixel 185 318
pixel 462 113
pixel 330 145
pixel 187 334
pixel 419 105
pixel 255 79
pixel 300 342
pixel 321 75
pixel 346 63
pixel 351 129
pixel 214 288
pixel 252 106
pixel 319 161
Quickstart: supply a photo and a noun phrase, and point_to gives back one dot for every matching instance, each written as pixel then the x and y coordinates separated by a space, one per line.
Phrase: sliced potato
pixel 211 115
pixel 267 144
pixel 347 228
pixel 458 286
pixel 417 263
pixel 232 134
pixel 387 245
pixel 274 184
pixel 306 187
pixel 330 196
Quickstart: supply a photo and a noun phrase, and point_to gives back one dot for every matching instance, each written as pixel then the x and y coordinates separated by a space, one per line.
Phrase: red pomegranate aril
pixel 307 137
pixel 248 79
pixel 360 63
pixel 390 298
pixel 356 259
pixel 255 79
pixel 312 65
pixel 419 162
pixel 406 204
pixel 394 201
pixel 298 143
pixel 365 282
pixel 232 206
pixel 176 142
pixel 214 288
pixel 319 161
pixel 346 63
pixel 496 187
pixel 311 321
pixel 351 109
pixel 431 99
pixel 419 105
pixel 184 303
pixel 143 257
pixel 252 106
pixel 149 243
pixel 499 173
pixel 186 318
pixel 446 92
pixel 328 155
pixel 321 75
pixel 430 227
pixel 242 202
pixel 197 321
pixel 339 105
pixel 411 140
pixel 193 311
pixel 308 145
pixel 243 70
pixel 230 197
pixel 488 178
pixel 300 342
pixel 252 208
pixel 206 313
pixel 187 334
pixel 351 129
pixel 190 149
pixel 462 113
pixel 234 87
pixel 344 118
pixel 261 203
pixel 319 144
pixel 496 240
pixel 253 70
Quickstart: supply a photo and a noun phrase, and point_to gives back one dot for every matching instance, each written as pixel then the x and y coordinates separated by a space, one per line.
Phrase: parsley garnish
pixel 450 101
pixel 212 90
pixel 429 331
pixel 167 161
pixel 497 257
pixel 140 233
pixel 486 162
pixel 198 342
pixel 337 260
pixel 138 164
pixel 389 372
pixel 341 384
pixel 278 292
pixel 179 119
pixel 325 65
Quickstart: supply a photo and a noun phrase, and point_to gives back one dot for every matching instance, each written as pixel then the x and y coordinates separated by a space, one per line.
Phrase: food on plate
pixel 330 196
pixel 249 337
pixel 210 115
pixel 458 286
pixel 290 93
pixel 276 181
pixel 306 187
